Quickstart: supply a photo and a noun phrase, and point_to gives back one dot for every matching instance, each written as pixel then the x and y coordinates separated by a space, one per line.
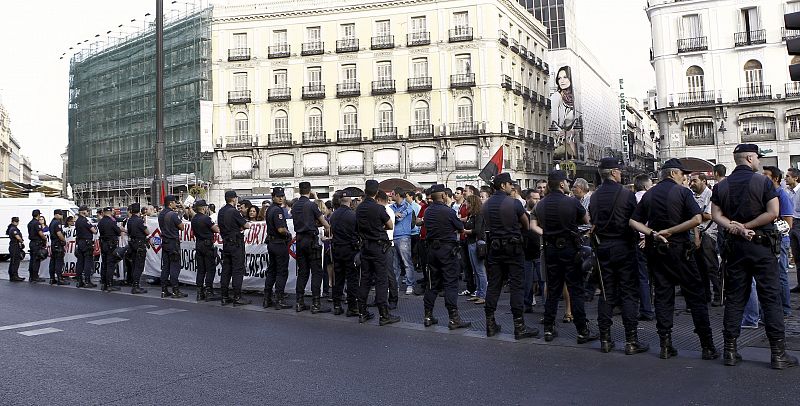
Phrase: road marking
pixel 167 311
pixel 107 321
pixel 76 317
pixel 31 333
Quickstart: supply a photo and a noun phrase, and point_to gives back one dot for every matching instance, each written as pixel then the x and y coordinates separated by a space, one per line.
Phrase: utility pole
pixel 159 188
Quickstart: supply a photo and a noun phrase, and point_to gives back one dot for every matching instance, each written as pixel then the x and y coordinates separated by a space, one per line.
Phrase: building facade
pixel 339 91
pixel 15 161
pixel 642 132
pixel 5 144
pixel 722 79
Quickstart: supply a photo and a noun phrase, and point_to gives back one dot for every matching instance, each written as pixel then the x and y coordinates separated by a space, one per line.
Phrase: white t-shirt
pixel 390 233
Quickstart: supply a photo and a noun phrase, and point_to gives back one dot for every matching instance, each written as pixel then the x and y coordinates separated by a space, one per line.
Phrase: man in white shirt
pixel 383 199
pixel 705 240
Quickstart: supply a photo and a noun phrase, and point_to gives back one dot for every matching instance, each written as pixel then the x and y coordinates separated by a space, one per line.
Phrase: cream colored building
pixel 5 144
pixel 339 91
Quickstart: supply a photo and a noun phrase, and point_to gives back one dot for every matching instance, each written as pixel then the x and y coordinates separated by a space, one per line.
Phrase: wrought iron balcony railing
pixel 385 86
pixel 792 89
pixel 280 139
pixel 462 80
pixel 312 48
pixel 420 131
pixel 420 84
pixel 239 141
pixel 746 38
pixel 418 38
pixel 279 51
pixel 347 45
pixel 757 92
pixel 502 36
pixel 692 44
pixel 460 34
pixel 313 92
pixel 349 135
pixel 239 97
pixel 384 133
pixel 348 89
pixel 239 54
pixel 314 137
pixel 382 42
pixel 279 94
pixel 696 98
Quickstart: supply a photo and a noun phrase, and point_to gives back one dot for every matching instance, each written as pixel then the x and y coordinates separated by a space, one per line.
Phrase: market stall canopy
pixel 389 185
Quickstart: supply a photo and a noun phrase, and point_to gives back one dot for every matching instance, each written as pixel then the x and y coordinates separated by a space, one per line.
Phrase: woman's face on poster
pixel 563 80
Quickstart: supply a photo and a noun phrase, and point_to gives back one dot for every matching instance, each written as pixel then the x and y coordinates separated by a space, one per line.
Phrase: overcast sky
pixel 34 82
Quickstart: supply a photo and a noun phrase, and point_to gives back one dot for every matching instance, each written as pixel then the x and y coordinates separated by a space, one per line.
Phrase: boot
pixel 522 331
pixel 606 345
pixel 363 315
pixel 16 278
pixel 337 307
pixel 61 282
pixel 78 283
pixel 136 289
pixel 267 300
pixel 709 351
pixel 165 292
pixel 89 284
pixel 210 294
pixel 300 305
pixel 176 293
pixel 429 320
pixel 492 328
pixel 226 299
pixel 238 300
pixel 730 356
pixel 585 335
pixel 633 345
pixel 386 317
pixel 550 332
pixel 667 350
pixel 53 281
pixel 780 359
pixel 352 310
pixel 281 304
pixel 201 294
pixel 111 286
pixel 455 320
pixel 316 306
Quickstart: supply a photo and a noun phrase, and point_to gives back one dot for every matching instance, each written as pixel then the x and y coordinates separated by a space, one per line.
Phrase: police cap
pixel 57 212
pixel 304 185
pixel 135 208
pixel 200 203
pixel 674 163
pixel 230 194
pixel 170 198
pixel 278 192
pixel 108 208
pixel 501 178
pixel 557 175
pixel 748 148
pixel 83 208
pixel 610 163
pixel 36 213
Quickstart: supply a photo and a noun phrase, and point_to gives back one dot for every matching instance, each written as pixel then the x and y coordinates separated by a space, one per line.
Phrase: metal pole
pixel 160 164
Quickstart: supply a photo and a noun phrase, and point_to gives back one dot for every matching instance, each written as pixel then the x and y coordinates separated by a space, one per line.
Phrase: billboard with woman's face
pixel 564 114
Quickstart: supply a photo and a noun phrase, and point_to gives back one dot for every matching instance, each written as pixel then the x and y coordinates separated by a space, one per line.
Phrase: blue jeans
pixel 783 269
pixel 645 305
pixel 402 252
pixel 479 268
pixel 527 282
pixel 751 310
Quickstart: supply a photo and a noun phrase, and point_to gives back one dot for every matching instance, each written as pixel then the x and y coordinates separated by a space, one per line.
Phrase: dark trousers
pixel 309 262
pixel 206 263
pixel 345 272
pixel 35 262
pixel 794 238
pixel 56 267
pixel 560 268
pixel 645 301
pixel 394 288
pixel 673 267
pixel 16 257
pixel 138 255
pixel 620 274
pixel 232 266
pixel 278 270
pixel 527 282
pixel 469 273
pixel 108 264
pixel 84 262
pixel 170 262
pixel 373 266
pixel 415 252
pixel 747 260
pixel 443 274
pixel 422 252
pixel 505 264
pixel 708 265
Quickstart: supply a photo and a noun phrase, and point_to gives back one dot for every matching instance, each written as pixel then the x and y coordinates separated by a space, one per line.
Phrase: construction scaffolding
pixel 112 112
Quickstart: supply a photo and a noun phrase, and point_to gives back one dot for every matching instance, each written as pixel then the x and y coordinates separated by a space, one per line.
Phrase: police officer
pixel 37 246
pixel 137 246
pixel 745 204
pixel 170 224
pixel 557 217
pixel 613 241
pixel 231 224
pixel 505 218
pixel 372 222
pixel 84 249
pixel 344 248
pixel 665 215
pixel 306 215
pixel 58 243
pixel 443 269
pixel 278 240
pixel 109 241
pixel 16 247
pixel 205 253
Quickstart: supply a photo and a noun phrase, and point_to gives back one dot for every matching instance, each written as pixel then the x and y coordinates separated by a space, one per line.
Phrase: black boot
pixel 61 282
pixel 352 310
pixel 201 294
pixel 16 278
pixel 210 294
pixel 633 345
pixel 492 328
pixel 386 317
pixel 707 344
pixel 522 331
pixel 111 286
pixel 667 350
pixel 338 310
pixel 176 293
pixel 455 320
pixel 267 300
pixel 136 289
pixel 226 299
pixel 281 304
pixel 730 355
pixel 238 300
pixel 550 332
pixel 165 292
pixel 363 315
pixel 300 305
pixel 429 320
pixel 79 283
pixel 316 306
pixel 585 335
pixel 606 345
pixel 53 281
pixel 89 284
pixel 780 359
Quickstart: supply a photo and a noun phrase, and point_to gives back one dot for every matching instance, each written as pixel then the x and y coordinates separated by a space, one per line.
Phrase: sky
pixel 34 83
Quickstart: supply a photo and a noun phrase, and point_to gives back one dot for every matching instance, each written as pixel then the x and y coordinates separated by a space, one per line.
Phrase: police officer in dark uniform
pixel 204 251
pixel 613 241
pixel 231 223
pixel 745 204
pixel 443 268
pixel 344 248
pixel 665 215
pixel 170 224
pixel 137 246
pixel 84 249
pixel 36 246
pixel 58 242
pixel 306 215
pixel 278 240
pixel 16 249
pixel 558 217
pixel 109 241
pixel 372 222
pixel 505 219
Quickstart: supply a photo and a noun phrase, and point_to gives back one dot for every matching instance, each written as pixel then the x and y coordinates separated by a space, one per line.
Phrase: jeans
pixel 527 282
pixel 783 273
pixel 480 271
pixel 402 251
pixel 751 310
pixel 645 304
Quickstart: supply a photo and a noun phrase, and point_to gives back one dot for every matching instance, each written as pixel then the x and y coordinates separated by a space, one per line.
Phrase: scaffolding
pixel 112 112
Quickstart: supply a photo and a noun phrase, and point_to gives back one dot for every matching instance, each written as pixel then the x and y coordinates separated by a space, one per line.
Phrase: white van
pixel 22 208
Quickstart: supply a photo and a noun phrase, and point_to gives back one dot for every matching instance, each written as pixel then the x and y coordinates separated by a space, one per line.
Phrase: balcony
pixel 239 141
pixel 383 87
pixel 692 44
pixel 519 165
pixel 312 48
pixel 428 166
pixel 512 129
pixel 523 51
pixel 416 39
pixel 526 92
pixel 316 170
pixel 281 172
pixel 312 92
pixel 462 80
pixel 417 132
pixel 789 34
pixel 387 168
pixel 460 34
pixel 534 95
pixel 348 89
pixel 239 97
pixel 314 137
pixel 467 164
pixel 755 93
pixel 384 133
pixel 242 174
pixel 502 36
pixel 517 88
pixel 546 67
pixel 347 45
pixel 351 169
pixel 520 132
pixel 698 98
pixel 279 51
pixel 421 84
pixel 382 42
pixel 465 128
pixel 238 54
pixel 792 89
pixel 280 139
pixel 514 45
pixel 547 104
pixel 348 135
pixel 542 100
pixel 742 39
pixel 765 134
pixel 506 83
pixel 279 94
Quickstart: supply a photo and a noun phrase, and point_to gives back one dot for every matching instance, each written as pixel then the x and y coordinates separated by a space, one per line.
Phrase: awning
pixel 697 165
pixel 389 185
pixel 17 189
pixel 693 120
pixel 353 191
pixel 793 112
pixel 757 114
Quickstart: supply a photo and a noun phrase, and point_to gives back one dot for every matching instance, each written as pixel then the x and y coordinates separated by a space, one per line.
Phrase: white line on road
pixel 167 311
pixel 31 333
pixel 76 317
pixel 107 321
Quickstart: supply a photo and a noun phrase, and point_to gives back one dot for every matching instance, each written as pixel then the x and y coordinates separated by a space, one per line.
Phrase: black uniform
pixel 168 222
pixel 442 223
pixel 57 250
pixel 230 223
pixel 84 248
pixel 109 241
pixel 371 219
pixel 204 251
pixel 16 251
pixel 36 245
pixel 309 253
pixel 344 247
pixel 137 243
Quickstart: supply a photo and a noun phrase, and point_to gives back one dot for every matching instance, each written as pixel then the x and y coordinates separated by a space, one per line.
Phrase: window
pixel 281 122
pixel 464 64
pixel 461 19
pixel 385 116
pixel 691 26
pixel 700 133
pixel 349 73
pixel 348 31
pixel 313 34
pixel 793 125
pixel 419 25
pixel 384 70
pixel 419 67
pixel 315 120
pixel 314 76
pixel 464 110
pixel 240 81
pixel 749 19
pixel 241 124
pixel 240 40
pixel 280 78
pixel 753 75
pixel 422 113
pixel 349 118
pixel 382 28
pixel 279 37
pixel 694 77
pixel 758 129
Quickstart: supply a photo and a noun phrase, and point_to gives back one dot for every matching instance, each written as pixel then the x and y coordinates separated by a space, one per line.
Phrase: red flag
pixel 493 167
pixel 163 192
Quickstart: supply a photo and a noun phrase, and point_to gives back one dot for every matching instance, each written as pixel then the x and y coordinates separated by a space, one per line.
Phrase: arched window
pixel 349 118
pixel 385 116
pixel 695 78
pixel 281 122
pixel 422 113
pixel 753 75
pixel 314 120
pixel 464 110
pixel 241 125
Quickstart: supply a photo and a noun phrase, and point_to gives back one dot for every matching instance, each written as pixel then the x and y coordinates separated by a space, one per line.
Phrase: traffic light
pixel 792 22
